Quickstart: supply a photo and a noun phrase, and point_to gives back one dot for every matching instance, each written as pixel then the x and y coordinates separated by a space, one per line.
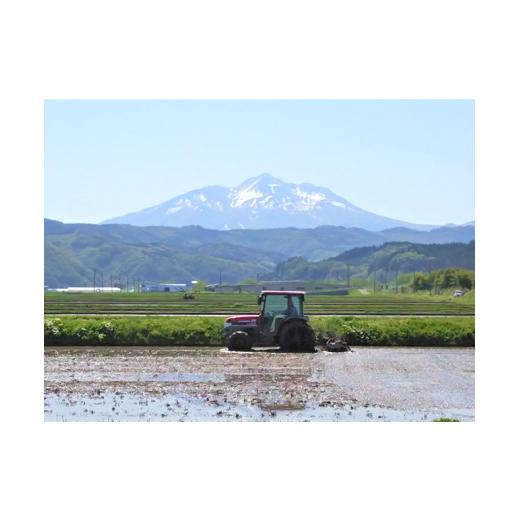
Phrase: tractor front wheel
pixel 297 335
pixel 239 341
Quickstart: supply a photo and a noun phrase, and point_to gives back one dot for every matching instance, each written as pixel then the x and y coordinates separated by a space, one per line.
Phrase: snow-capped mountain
pixel 260 202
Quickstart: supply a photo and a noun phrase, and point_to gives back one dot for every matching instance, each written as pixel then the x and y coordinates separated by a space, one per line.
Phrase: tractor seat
pixel 276 322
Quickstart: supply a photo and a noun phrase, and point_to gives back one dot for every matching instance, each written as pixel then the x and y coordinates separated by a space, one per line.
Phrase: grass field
pixel 190 330
pixel 212 303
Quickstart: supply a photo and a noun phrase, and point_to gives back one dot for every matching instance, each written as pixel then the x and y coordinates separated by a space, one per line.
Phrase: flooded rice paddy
pixel 212 384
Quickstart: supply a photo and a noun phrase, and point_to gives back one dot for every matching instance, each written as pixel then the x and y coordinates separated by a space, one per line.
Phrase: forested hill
pixel 74 251
pixel 392 257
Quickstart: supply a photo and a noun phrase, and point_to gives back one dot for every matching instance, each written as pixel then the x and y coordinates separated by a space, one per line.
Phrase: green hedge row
pixel 76 331
pixel 459 331
pixel 187 330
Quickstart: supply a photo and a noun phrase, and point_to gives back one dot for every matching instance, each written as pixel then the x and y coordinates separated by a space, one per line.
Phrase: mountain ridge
pixel 380 261
pixel 73 251
pixel 261 202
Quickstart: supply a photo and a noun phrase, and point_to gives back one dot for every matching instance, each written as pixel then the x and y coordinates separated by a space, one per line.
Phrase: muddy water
pixel 211 384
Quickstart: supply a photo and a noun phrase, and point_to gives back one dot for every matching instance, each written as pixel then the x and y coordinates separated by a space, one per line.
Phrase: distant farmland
pixel 211 303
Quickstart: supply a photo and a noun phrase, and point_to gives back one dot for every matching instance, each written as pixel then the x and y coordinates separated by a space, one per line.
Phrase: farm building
pixel 164 287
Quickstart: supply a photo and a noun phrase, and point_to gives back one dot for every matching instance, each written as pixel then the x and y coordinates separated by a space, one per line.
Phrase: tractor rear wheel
pixel 297 335
pixel 240 340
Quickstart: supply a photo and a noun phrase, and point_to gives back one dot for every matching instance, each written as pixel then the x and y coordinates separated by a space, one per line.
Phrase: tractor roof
pixel 289 293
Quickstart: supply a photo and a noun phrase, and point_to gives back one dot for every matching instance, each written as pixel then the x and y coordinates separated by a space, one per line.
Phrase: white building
pixel 89 290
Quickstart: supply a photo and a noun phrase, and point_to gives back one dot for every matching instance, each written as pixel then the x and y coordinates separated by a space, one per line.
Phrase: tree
pixel 465 280
pixel 199 286
pixel 423 282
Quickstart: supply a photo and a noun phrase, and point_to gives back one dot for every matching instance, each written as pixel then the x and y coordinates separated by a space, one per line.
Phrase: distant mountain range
pixel 389 258
pixel 73 251
pixel 259 203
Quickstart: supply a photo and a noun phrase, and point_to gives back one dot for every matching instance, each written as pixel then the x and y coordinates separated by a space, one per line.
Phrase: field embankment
pixel 171 331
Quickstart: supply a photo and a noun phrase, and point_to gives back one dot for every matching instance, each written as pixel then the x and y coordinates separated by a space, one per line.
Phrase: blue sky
pixel 410 160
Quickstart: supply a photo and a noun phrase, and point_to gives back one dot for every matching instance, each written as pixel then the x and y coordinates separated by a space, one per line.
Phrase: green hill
pixel 402 257
pixel 74 251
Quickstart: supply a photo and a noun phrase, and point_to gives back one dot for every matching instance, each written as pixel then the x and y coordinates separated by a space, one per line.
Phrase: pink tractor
pixel 280 322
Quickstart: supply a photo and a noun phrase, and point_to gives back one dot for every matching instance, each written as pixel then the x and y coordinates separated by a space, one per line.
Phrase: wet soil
pixel 212 384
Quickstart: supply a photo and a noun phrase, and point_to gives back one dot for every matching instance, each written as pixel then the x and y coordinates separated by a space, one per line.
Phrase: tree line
pixel 444 279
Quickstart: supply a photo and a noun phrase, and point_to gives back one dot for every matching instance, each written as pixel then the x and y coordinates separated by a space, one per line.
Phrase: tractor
pixel 280 322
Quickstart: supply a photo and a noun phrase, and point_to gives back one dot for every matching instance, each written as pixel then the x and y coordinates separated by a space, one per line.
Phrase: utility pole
pixel 375 282
pixel 102 284
pixel 348 276
pixel 220 277
pixel 111 283
pixel 126 283
pixel 94 286
pixel 396 281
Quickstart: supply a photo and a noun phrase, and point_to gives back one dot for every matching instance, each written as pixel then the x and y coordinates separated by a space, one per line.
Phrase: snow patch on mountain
pixel 307 200
pixel 240 197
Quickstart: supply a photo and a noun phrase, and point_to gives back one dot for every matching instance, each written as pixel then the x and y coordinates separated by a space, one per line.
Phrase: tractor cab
pixel 276 307
pixel 280 322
